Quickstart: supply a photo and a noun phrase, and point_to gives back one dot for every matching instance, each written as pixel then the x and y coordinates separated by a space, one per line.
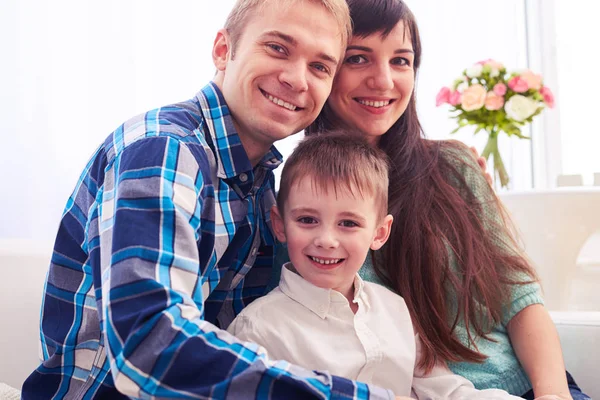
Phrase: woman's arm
pixel 535 342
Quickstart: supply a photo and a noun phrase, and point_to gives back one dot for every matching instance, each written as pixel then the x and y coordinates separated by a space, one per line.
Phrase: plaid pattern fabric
pixel 165 239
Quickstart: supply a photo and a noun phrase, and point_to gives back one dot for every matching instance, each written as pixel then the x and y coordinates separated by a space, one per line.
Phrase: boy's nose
pixel 326 239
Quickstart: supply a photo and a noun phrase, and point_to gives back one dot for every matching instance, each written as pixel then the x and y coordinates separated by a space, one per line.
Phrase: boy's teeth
pixel 375 104
pixel 325 262
pixel 281 103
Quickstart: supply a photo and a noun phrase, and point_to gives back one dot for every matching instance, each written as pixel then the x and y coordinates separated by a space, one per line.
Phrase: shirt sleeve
pixel 441 383
pixel 522 294
pixel 156 339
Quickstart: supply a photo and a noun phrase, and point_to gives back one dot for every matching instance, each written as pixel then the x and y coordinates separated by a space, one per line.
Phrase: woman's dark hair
pixel 438 222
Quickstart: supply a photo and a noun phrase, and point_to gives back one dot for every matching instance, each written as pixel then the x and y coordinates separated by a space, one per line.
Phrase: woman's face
pixel 375 82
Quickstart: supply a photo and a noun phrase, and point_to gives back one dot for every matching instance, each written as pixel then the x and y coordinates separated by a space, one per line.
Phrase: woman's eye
pixel 348 224
pixel 356 59
pixel 401 61
pixel 307 220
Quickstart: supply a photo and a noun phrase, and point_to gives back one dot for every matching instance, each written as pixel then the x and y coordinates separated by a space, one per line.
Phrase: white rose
pixel 474 71
pixel 495 73
pixel 520 108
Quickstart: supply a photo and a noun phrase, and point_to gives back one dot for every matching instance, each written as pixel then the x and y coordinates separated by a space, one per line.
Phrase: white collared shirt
pixel 316 329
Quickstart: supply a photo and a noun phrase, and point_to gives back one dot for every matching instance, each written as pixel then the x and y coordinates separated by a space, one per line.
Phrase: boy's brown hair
pixel 338 161
pixel 243 10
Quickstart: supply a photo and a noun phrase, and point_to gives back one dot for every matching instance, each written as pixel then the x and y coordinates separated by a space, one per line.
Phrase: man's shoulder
pixel 181 122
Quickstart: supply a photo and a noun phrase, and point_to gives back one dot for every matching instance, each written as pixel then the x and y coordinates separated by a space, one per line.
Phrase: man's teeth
pixel 375 104
pixel 325 262
pixel 282 103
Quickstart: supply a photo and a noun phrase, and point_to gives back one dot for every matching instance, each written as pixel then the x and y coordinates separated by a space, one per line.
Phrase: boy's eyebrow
pixel 370 50
pixel 293 42
pixel 350 214
pixel 302 210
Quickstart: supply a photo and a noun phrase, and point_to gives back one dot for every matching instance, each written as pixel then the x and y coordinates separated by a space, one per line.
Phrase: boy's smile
pixel 329 233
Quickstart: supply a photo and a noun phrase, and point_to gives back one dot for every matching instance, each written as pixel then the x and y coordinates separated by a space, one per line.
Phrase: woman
pixel 450 255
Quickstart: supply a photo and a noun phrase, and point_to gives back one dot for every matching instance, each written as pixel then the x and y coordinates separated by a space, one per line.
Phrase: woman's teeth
pixel 376 104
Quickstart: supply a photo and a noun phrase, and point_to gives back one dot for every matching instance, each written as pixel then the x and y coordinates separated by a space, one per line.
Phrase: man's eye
pixel 321 68
pixel 276 48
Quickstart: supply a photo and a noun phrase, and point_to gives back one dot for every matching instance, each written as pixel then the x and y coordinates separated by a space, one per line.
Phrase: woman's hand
pixel 482 164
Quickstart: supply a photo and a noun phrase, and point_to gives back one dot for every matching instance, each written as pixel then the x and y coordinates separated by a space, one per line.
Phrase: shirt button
pixel 322 309
pixel 243 177
pixel 274 160
pixel 254 251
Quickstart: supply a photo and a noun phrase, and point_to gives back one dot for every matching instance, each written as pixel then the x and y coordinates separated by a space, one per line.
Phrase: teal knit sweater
pixel 501 369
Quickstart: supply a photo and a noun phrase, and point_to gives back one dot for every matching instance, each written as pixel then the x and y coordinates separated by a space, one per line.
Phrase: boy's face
pixel 329 236
pixel 281 73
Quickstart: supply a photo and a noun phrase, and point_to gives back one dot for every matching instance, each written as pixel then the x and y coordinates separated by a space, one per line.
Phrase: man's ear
pixel 222 48
pixel 277 222
pixel 382 233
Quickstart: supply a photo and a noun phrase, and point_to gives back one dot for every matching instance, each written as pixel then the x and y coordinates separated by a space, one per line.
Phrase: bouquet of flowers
pixel 493 100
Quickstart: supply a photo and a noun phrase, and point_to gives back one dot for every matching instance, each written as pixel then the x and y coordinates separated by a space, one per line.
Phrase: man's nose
pixel 295 77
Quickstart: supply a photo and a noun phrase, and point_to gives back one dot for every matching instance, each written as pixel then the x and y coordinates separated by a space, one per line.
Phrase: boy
pixel 331 210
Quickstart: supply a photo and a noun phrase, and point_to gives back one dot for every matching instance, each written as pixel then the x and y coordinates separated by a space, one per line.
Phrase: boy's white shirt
pixel 315 328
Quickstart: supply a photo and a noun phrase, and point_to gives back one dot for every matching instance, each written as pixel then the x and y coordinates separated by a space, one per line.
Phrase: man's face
pixel 281 72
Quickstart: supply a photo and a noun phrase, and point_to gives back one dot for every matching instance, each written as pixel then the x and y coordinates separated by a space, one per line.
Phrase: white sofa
pixel 24 265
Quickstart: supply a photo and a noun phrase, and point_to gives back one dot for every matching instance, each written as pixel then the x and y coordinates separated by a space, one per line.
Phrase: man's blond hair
pixel 244 9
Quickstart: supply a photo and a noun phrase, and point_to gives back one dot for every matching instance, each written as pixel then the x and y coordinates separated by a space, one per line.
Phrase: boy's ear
pixel 277 222
pixel 222 48
pixel 382 233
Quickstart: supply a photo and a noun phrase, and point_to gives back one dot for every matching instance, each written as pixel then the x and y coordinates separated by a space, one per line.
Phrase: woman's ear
pixel 278 225
pixel 222 48
pixel 382 233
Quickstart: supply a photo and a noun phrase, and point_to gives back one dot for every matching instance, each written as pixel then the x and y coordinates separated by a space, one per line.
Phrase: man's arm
pixel 156 339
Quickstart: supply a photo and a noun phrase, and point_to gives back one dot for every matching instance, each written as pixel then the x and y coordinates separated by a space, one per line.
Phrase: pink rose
pixel 534 81
pixel 473 98
pixel 500 89
pixel 518 84
pixel 442 97
pixel 493 101
pixel 548 96
pixel 455 98
pixel 492 63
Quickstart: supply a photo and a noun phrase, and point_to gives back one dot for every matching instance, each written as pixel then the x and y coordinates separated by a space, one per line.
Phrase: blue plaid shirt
pixel 164 240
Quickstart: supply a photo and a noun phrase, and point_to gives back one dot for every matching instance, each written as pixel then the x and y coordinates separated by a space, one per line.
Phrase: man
pixel 166 237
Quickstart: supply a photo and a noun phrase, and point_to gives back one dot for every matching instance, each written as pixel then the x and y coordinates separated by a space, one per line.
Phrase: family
pixel 383 268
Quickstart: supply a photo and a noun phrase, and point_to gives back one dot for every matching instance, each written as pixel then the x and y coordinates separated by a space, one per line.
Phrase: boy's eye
pixel 307 220
pixel 348 224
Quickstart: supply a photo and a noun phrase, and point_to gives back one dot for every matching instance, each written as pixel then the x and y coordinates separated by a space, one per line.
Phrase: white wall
pixel 72 71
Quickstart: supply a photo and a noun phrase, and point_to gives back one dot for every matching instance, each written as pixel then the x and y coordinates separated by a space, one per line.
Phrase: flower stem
pixel 491 149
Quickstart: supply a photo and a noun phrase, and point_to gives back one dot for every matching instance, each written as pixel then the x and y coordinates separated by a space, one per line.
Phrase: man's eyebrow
pixel 292 41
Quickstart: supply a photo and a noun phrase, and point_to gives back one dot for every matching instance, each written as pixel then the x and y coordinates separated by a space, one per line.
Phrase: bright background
pixel 72 71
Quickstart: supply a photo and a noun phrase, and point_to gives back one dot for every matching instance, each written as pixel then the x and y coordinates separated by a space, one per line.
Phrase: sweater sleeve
pixel 524 293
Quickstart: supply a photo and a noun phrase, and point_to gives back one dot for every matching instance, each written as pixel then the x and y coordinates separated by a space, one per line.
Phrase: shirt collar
pixel 232 159
pixel 316 299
